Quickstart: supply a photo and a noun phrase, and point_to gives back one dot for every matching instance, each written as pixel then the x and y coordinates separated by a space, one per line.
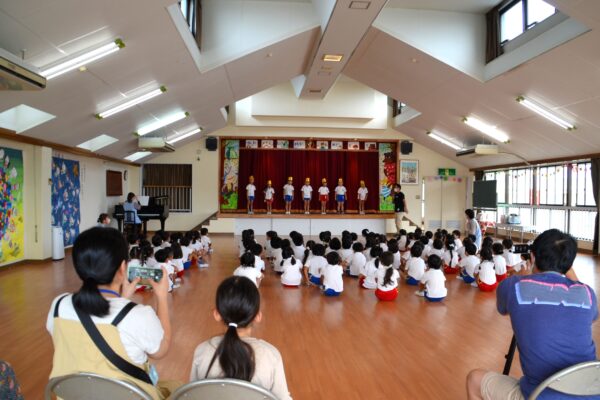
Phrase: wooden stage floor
pixel 351 347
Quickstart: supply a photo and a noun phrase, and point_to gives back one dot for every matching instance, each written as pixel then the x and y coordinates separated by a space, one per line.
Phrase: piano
pixel 157 208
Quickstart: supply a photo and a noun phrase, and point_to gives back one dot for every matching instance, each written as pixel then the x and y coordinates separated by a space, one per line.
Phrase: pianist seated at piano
pixel 132 204
pixel 154 208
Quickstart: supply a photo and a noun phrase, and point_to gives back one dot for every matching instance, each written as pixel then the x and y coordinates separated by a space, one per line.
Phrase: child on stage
pixel 288 195
pixel 250 190
pixel 323 195
pixel 269 193
pixel 307 195
pixel 340 195
pixel 362 197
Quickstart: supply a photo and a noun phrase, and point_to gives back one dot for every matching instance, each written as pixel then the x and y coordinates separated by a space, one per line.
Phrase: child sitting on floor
pixel 469 264
pixel 486 276
pixel 450 258
pixel 276 243
pixel 333 282
pixel 291 269
pixel 415 266
pixel 358 261
pixel 367 278
pixel 313 267
pixel 433 286
pixel 268 249
pixel 437 248
pixel 499 262
pixel 259 264
pixel 247 268
pixel 387 278
pixel 205 240
pixel 346 252
pixel 163 258
pixel 393 248
pixel 297 244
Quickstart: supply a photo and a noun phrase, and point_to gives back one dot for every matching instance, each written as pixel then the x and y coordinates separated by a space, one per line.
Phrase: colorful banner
pixel 443 178
pixel 229 182
pixel 387 175
pixel 65 198
pixel 11 205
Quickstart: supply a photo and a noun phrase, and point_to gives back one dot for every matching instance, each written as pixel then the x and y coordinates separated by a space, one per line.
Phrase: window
pixel 500 178
pixel 520 186
pixel 191 12
pixel 552 184
pixel 519 16
pixel 581 185
pixel 171 180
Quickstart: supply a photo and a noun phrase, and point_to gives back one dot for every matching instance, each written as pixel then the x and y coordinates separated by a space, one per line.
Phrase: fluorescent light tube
pixel 443 140
pixel 486 129
pixel 131 103
pixel 83 59
pixel 138 155
pixel 146 129
pixel 176 138
pixel 544 112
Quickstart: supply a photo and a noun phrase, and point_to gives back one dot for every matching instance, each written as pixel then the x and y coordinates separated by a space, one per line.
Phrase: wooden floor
pixel 351 347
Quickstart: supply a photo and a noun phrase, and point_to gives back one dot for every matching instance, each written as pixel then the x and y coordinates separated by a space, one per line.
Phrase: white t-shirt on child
pixel 250 189
pixel 499 264
pixel 299 252
pixel 288 190
pixel 381 277
pixel 357 264
pixel 340 190
pixel 323 190
pixel 259 264
pixel 307 191
pixel 397 260
pixel 451 261
pixel 316 265
pixel 470 264
pixel 434 281
pixel 277 259
pixel 186 251
pixel 370 275
pixel 362 193
pixel 251 273
pixel 486 272
pixel 346 255
pixel 332 278
pixel 292 274
pixel 437 252
pixel 415 267
pixel 269 192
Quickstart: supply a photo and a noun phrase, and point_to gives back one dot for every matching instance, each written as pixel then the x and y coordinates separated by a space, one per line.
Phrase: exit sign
pixel 446 171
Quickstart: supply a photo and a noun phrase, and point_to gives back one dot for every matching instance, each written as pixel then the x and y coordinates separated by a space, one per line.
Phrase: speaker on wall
pixel 212 143
pixel 406 147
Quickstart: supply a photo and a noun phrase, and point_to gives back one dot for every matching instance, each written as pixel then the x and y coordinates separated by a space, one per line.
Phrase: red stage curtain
pixel 277 165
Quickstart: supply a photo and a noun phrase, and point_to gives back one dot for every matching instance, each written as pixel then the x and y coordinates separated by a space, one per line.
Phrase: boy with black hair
pixel 551 314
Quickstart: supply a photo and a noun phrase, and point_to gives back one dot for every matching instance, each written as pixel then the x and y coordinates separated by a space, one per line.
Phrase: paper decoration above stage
pixel 308 144
pixel 11 205
pixel 444 178
pixel 65 198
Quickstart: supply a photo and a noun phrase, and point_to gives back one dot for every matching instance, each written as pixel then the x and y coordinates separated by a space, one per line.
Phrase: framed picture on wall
pixel 371 146
pixel 283 144
pixel 266 144
pixel 409 172
pixel 353 145
pixel 337 145
pixel 299 144
pixel 252 144
pixel 322 145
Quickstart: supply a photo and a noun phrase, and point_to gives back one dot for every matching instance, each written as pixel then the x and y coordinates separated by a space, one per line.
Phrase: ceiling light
pixel 138 155
pixel 177 137
pixel 486 129
pixel 82 59
pixel 131 103
pixel 333 57
pixel 443 140
pixel 98 142
pixel 146 129
pixel 23 117
pixel 544 112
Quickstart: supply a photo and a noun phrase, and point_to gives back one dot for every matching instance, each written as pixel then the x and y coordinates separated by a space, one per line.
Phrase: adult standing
pixel 473 227
pixel 400 207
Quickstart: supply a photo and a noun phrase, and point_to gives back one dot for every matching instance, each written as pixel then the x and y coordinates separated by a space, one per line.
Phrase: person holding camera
pixel 551 314
pixel 98 329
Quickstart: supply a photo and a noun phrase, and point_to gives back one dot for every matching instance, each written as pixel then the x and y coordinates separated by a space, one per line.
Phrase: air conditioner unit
pixel 480 149
pixel 155 145
pixel 18 75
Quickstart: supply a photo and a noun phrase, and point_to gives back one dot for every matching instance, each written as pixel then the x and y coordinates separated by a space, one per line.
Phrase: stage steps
pixel 206 222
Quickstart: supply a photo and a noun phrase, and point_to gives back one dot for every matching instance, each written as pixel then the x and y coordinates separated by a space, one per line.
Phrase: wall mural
pixel 65 198
pixel 387 175
pixel 229 182
pixel 11 205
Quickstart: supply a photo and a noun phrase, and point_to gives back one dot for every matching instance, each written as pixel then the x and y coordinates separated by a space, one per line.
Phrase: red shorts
pixel 269 201
pixel 500 278
pixel 450 270
pixel 389 295
pixel 323 197
pixel 360 281
pixel 484 287
pixel 290 286
pixel 180 273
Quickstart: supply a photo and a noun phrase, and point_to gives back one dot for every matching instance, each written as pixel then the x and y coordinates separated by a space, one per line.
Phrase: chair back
pixel 129 217
pixel 578 380
pixel 221 389
pixel 93 387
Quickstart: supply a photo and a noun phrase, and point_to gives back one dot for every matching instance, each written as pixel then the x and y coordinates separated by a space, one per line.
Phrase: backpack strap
pixel 118 361
pixel 123 313
pixel 58 304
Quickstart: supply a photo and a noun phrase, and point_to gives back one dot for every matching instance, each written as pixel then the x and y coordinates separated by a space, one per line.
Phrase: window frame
pixel 524 12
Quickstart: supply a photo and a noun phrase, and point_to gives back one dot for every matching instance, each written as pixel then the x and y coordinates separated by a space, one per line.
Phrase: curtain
pixel 167 175
pixel 277 165
pixel 493 49
pixel 596 187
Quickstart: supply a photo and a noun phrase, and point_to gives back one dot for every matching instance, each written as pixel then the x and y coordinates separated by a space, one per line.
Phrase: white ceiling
pixel 467 6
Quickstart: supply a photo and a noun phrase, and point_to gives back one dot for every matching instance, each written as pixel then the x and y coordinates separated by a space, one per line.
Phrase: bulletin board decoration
pixel 230 178
pixel 66 188
pixel 11 205
pixel 387 175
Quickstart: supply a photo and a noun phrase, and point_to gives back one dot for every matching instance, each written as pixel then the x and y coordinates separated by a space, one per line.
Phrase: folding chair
pixel 221 389
pixel 93 387
pixel 578 380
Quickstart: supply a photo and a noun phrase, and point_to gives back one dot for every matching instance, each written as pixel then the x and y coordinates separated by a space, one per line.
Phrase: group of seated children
pixel 175 252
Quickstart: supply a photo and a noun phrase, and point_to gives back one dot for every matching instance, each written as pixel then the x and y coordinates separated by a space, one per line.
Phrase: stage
pixel 311 224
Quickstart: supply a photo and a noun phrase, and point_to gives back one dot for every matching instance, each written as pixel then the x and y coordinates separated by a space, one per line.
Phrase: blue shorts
pixel 467 278
pixel 187 265
pixel 340 198
pixel 307 199
pixel 412 281
pixel 331 293
pixel 433 299
pixel 251 198
pixel 315 279
pixel 287 198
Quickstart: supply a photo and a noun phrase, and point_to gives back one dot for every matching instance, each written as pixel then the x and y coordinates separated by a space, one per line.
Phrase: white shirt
pixel 426 250
pixel 186 251
pixel 288 190
pixel 451 261
pixel 470 264
pixel 259 264
pixel 307 191
pixel 511 258
pixel 402 242
pixel 457 243
pixel 416 268
pixel 268 249
pixel 140 331
pixel 381 277
pixel 250 189
pixel 486 273
pixel 170 270
pixel 269 192
pixel 397 260
pixel 323 190
pixel 332 278
pixel 205 240
pixel 499 264
pixel 298 252
pixel 434 281
pixel 178 264
pixel 277 259
pixel 251 273
pixel 357 264
pixel 346 255
pixel 291 273
pixel 340 190
pixel 362 193
pixel 316 265
pixel 370 275
pixel 437 252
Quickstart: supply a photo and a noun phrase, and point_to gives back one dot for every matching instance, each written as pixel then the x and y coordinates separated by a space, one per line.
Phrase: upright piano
pixel 157 208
